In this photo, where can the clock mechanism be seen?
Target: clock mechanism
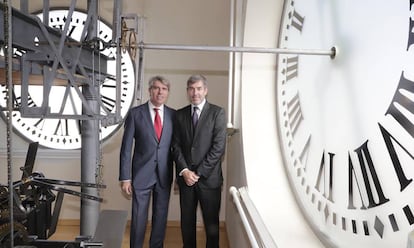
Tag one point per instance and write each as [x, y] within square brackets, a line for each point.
[49, 108]
[71, 85]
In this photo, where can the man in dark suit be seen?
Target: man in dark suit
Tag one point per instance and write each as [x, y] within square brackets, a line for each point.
[199, 142]
[148, 128]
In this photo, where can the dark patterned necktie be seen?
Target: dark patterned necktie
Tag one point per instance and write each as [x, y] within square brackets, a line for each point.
[195, 116]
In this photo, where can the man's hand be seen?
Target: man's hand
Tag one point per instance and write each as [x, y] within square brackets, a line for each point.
[190, 177]
[126, 187]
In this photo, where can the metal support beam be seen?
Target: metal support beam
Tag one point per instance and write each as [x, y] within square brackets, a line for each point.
[90, 153]
[25, 30]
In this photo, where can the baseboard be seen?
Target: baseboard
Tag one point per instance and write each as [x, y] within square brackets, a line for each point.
[68, 222]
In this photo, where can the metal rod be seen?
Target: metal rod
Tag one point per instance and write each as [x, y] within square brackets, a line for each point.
[256, 230]
[236, 199]
[231, 68]
[116, 36]
[9, 67]
[262, 233]
[331, 52]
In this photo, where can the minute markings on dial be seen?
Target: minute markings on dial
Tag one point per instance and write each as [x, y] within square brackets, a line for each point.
[368, 181]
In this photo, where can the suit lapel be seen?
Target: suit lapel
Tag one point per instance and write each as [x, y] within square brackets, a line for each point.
[187, 121]
[148, 121]
[166, 126]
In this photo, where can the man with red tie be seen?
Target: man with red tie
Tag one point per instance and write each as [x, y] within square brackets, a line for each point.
[148, 170]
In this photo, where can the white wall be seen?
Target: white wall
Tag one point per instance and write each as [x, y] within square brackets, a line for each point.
[266, 179]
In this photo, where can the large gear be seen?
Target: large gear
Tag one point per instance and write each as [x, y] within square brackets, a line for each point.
[3, 192]
[20, 235]
[17, 215]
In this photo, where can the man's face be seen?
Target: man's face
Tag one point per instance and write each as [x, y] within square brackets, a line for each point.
[158, 93]
[196, 92]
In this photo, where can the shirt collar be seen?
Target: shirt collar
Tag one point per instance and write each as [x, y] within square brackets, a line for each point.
[151, 106]
[200, 106]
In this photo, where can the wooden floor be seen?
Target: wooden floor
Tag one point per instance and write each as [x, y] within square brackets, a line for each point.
[69, 231]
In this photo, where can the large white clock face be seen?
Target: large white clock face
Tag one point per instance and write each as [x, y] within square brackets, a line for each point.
[66, 133]
[347, 124]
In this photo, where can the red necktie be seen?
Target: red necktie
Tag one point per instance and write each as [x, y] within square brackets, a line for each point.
[157, 124]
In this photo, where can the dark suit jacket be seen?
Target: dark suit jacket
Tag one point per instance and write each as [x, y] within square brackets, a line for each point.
[200, 150]
[148, 153]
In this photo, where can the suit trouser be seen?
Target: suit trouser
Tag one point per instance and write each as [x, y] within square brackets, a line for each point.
[210, 200]
[160, 201]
